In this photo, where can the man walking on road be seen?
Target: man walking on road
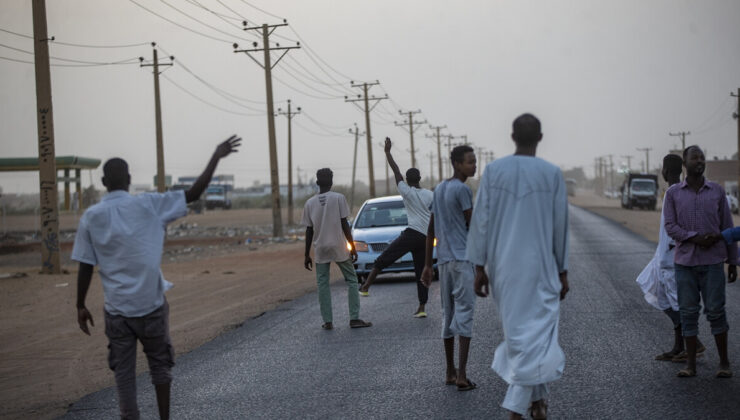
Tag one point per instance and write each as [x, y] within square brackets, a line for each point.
[696, 212]
[658, 280]
[325, 217]
[417, 201]
[519, 237]
[451, 210]
[123, 235]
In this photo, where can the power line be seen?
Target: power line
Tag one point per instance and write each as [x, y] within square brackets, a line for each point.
[333, 127]
[181, 25]
[318, 134]
[201, 22]
[330, 95]
[208, 103]
[16, 33]
[309, 49]
[70, 60]
[262, 10]
[303, 92]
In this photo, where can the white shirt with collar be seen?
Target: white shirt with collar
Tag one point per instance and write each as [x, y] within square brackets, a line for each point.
[124, 235]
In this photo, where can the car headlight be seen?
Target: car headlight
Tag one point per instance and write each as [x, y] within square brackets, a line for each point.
[359, 246]
[435, 241]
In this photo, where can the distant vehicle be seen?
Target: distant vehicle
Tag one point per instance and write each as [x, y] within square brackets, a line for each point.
[733, 203]
[378, 223]
[640, 190]
[218, 196]
[197, 205]
[570, 185]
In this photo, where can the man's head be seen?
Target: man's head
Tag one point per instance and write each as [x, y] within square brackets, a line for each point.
[413, 177]
[526, 130]
[463, 160]
[672, 167]
[693, 160]
[324, 178]
[115, 175]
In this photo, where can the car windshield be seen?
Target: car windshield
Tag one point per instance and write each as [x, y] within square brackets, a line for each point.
[643, 186]
[387, 213]
[214, 190]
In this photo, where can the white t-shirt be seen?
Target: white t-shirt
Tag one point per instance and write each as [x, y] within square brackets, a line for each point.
[418, 202]
[324, 212]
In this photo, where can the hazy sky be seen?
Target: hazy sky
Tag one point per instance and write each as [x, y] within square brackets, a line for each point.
[604, 77]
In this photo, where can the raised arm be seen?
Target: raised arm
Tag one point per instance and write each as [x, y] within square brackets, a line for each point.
[223, 150]
[391, 162]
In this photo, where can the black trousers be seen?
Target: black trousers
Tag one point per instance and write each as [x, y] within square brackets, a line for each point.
[415, 243]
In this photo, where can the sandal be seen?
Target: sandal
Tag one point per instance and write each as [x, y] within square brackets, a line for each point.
[327, 326]
[538, 410]
[686, 373]
[358, 323]
[724, 373]
[468, 387]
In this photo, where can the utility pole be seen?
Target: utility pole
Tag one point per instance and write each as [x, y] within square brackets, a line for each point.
[364, 98]
[439, 147]
[157, 113]
[647, 157]
[48, 191]
[479, 155]
[629, 162]
[267, 30]
[290, 114]
[410, 121]
[611, 173]
[354, 167]
[387, 175]
[683, 135]
[736, 115]
[430, 155]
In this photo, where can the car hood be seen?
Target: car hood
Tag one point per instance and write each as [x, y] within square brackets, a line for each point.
[377, 234]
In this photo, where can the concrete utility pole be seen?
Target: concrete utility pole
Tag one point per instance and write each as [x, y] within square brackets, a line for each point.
[611, 172]
[629, 162]
[736, 115]
[647, 157]
[364, 98]
[410, 121]
[387, 175]
[439, 147]
[157, 114]
[354, 168]
[290, 114]
[267, 30]
[683, 135]
[48, 189]
[430, 155]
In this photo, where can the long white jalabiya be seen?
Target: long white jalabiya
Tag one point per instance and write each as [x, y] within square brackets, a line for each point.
[658, 280]
[519, 231]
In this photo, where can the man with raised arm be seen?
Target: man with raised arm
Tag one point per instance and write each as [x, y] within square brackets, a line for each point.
[418, 202]
[325, 217]
[451, 209]
[519, 240]
[123, 235]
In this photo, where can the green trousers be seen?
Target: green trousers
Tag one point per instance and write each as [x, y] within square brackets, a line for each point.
[353, 296]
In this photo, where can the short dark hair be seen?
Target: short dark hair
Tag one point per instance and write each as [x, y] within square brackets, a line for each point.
[526, 129]
[458, 153]
[672, 164]
[324, 176]
[686, 150]
[115, 172]
[413, 176]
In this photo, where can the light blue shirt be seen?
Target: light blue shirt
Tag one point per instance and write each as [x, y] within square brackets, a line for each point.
[451, 198]
[123, 235]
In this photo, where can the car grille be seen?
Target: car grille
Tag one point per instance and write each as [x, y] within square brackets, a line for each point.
[379, 246]
[407, 265]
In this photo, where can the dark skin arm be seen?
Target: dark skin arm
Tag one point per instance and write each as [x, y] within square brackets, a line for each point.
[84, 276]
[428, 273]
[348, 234]
[222, 150]
[391, 161]
[309, 239]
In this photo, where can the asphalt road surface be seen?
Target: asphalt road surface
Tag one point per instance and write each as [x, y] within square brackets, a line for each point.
[283, 365]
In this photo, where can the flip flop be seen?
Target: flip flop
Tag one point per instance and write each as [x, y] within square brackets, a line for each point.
[669, 355]
[469, 387]
[686, 373]
[327, 326]
[724, 373]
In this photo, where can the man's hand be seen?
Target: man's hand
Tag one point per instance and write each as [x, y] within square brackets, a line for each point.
[426, 276]
[307, 262]
[353, 253]
[83, 315]
[731, 273]
[387, 144]
[227, 147]
[564, 285]
[482, 285]
[706, 240]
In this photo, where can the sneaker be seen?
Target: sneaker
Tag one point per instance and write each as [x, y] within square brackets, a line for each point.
[364, 294]
[420, 314]
[358, 323]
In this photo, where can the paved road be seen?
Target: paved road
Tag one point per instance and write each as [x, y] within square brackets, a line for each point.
[282, 365]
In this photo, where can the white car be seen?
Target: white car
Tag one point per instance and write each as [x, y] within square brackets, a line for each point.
[733, 203]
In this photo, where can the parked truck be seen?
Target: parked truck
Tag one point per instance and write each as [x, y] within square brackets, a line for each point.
[640, 190]
[218, 196]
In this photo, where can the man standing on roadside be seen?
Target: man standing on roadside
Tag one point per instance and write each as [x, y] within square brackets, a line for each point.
[413, 239]
[123, 235]
[658, 279]
[325, 217]
[696, 212]
[519, 237]
[451, 210]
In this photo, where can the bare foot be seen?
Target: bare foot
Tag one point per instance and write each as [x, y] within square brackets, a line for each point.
[451, 377]
[514, 416]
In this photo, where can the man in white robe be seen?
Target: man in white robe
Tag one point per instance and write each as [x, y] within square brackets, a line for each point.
[518, 238]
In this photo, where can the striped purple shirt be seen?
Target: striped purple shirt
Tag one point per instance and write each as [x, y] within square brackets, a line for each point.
[688, 213]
